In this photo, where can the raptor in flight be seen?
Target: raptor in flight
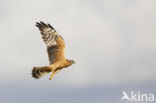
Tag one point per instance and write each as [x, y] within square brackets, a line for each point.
[55, 48]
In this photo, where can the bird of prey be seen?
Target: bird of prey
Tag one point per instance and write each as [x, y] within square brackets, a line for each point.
[55, 48]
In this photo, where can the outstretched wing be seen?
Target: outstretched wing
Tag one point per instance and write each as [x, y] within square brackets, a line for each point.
[55, 43]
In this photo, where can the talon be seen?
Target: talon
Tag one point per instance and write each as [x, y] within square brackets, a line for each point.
[50, 78]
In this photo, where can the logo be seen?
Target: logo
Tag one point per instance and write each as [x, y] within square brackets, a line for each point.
[137, 97]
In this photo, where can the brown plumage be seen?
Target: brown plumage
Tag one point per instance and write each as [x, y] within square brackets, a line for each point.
[55, 48]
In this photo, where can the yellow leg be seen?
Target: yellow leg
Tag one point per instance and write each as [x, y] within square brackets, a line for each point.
[51, 77]
[53, 69]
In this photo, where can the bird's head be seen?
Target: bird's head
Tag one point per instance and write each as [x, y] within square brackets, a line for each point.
[71, 61]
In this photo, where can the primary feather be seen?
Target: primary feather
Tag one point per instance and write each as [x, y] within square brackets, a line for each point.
[48, 33]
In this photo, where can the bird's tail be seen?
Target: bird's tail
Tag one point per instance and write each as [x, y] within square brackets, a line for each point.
[38, 72]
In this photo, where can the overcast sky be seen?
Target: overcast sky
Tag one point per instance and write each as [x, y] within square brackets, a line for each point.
[112, 41]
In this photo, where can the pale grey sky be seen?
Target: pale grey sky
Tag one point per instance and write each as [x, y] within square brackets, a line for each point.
[112, 41]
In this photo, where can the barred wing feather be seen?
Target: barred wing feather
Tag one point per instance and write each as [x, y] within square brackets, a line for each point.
[50, 37]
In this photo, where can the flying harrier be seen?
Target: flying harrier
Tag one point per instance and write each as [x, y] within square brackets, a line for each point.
[55, 48]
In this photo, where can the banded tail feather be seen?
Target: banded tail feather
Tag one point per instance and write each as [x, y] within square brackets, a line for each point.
[39, 72]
